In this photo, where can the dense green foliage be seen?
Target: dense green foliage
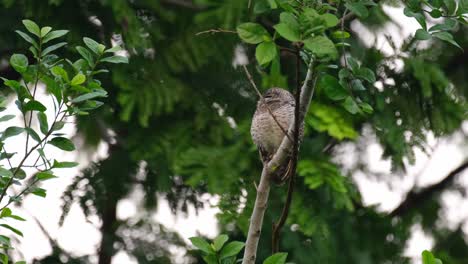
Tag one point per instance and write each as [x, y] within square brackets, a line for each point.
[73, 89]
[177, 119]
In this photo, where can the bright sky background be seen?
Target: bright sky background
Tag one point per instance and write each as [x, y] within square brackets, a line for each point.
[79, 237]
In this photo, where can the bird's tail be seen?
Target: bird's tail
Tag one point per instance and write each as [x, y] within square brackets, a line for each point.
[283, 173]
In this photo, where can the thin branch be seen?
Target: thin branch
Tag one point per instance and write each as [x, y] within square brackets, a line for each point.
[34, 94]
[8, 158]
[26, 155]
[218, 30]
[261, 97]
[414, 198]
[280, 156]
[347, 17]
[275, 239]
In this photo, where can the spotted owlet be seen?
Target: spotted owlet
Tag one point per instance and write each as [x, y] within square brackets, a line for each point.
[266, 133]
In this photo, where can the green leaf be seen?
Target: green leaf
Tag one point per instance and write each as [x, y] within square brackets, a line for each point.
[449, 24]
[39, 192]
[34, 52]
[20, 173]
[84, 97]
[20, 262]
[58, 71]
[265, 52]
[33, 134]
[330, 20]
[4, 240]
[32, 27]
[12, 131]
[336, 183]
[366, 74]
[14, 230]
[435, 13]
[53, 35]
[78, 79]
[115, 59]
[45, 31]
[273, 4]
[4, 258]
[91, 105]
[288, 32]
[86, 54]
[93, 45]
[231, 249]
[451, 6]
[341, 34]
[113, 49]
[43, 124]
[445, 36]
[219, 241]
[5, 173]
[6, 118]
[427, 257]
[16, 217]
[358, 8]
[64, 164]
[277, 258]
[314, 182]
[43, 176]
[422, 34]
[201, 244]
[19, 62]
[333, 88]
[62, 143]
[100, 71]
[366, 108]
[289, 19]
[20, 90]
[418, 16]
[357, 85]
[463, 6]
[321, 46]
[252, 33]
[353, 64]
[210, 259]
[5, 212]
[28, 38]
[350, 105]
[53, 47]
[34, 105]
[58, 125]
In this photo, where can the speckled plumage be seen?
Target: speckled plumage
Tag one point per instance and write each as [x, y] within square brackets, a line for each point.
[266, 133]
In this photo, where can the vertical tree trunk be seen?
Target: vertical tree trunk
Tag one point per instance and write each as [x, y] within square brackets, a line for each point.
[108, 228]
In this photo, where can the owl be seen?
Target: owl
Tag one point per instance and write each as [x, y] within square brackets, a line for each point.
[266, 133]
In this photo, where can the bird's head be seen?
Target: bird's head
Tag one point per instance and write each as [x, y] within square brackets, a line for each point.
[276, 97]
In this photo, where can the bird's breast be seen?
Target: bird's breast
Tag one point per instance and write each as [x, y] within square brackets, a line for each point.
[266, 132]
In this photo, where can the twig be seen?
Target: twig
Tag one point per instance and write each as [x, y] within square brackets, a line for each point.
[26, 155]
[275, 238]
[8, 158]
[346, 17]
[264, 187]
[261, 97]
[218, 30]
[33, 95]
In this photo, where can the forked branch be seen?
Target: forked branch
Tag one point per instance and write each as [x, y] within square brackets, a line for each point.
[263, 190]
